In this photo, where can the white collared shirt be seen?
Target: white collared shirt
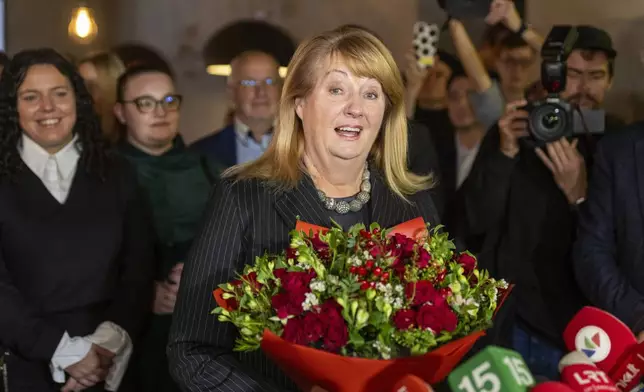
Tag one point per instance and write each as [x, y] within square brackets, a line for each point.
[464, 160]
[248, 149]
[63, 163]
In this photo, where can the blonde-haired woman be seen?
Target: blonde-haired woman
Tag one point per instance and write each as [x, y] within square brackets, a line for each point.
[100, 72]
[339, 152]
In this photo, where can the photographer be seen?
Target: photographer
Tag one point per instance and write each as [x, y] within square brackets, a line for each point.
[527, 198]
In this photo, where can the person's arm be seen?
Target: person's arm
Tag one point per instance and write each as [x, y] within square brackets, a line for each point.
[513, 21]
[200, 347]
[469, 56]
[133, 294]
[596, 250]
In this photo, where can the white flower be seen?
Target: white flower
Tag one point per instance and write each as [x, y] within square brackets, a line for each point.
[334, 280]
[317, 285]
[398, 303]
[310, 301]
[385, 351]
[355, 260]
[399, 288]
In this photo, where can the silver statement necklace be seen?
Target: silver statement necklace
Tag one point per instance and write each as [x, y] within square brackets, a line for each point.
[355, 205]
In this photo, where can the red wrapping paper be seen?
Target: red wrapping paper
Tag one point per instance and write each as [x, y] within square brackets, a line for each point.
[309, 367]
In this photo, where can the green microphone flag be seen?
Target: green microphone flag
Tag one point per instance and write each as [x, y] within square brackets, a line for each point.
[494, 369]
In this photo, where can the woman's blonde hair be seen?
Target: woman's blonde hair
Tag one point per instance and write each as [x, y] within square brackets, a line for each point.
[365, 56]
[109, 68]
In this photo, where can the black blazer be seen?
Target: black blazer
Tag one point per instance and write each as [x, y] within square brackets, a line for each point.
[244, 220]
[609, 253]
[69, 267]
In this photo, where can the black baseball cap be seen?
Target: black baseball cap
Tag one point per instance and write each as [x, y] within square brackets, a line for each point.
[593, 38]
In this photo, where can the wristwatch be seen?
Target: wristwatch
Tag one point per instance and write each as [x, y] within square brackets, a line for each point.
[522, 29]
[575, 206]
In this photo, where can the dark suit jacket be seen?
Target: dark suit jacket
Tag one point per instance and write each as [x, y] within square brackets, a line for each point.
[220, 146]
[609, 253]
[244, 220]
[69, 267]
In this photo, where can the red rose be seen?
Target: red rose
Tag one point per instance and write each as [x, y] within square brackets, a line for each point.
[437, 318]
[399, 267]
[336, 336]
[404, 319]
[403, 244]
[468, 262]
[422, 292]
[331, 311]
[288, 303]
[320, 247]
[280, 273]
[294, 332]
[291, 254]
[423, 258]
[297, 282]
[375, 251]
[313, 327]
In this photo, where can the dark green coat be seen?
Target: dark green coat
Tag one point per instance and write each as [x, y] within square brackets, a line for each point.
[177, 187]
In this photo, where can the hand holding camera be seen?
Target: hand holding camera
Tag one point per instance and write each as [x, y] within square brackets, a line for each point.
[567, 166]
[513, 125]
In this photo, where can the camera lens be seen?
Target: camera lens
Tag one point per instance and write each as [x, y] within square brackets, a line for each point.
[548, 122]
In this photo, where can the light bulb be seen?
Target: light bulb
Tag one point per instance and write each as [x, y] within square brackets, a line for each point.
[82, 25]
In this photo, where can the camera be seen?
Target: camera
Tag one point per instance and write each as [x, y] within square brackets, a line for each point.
[466, 8]
[552, 118]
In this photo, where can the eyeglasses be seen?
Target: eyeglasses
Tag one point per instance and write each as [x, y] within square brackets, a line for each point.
[268, 82]
[147, 104]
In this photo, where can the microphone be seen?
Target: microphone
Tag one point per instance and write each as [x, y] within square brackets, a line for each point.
[493, 369]
[552, 386]
[599, 335]
[582, 375]
[411, 383]
[628, 371]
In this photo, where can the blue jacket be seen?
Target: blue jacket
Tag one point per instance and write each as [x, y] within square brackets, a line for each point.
[609, 253]
[221, 147]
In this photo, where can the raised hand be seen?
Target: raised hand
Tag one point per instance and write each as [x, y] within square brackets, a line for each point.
[499, 10]
[512, 126]
[568, 168]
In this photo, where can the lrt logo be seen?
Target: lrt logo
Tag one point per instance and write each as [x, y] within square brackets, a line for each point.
[593, 342]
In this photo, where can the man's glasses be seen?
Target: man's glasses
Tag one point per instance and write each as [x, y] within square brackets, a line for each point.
[268, 82]
[147, 104]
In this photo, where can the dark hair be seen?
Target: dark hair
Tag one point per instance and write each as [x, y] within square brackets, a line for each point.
[589, 54]
[130, 73]
[512, 41]
[4, 59]
[94, 155]
[494, 34]
[134, 54]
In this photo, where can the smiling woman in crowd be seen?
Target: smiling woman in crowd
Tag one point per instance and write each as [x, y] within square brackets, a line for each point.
[75, 259]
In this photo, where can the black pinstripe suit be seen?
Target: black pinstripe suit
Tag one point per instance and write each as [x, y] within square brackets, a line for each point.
[244, 220]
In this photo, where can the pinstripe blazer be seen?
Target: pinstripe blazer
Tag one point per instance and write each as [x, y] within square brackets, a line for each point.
[244, 220]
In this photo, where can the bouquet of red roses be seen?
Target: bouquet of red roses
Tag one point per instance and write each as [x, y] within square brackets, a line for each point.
[377, 296]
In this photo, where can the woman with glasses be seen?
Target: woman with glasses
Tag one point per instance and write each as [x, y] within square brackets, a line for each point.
[176, 183]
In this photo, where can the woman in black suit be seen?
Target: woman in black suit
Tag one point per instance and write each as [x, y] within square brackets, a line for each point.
[339, 152]
[75, 259]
